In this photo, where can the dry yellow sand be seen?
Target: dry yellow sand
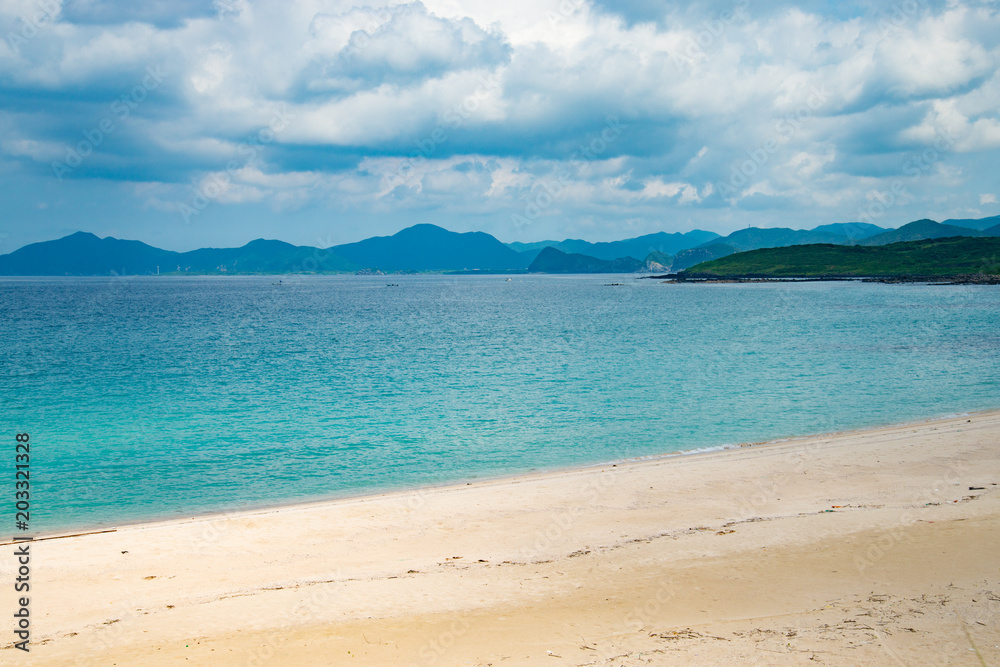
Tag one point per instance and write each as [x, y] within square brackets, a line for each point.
[877, 547]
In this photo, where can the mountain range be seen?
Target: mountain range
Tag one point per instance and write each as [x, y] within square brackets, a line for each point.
[978, 223]
[638, 248]
[553, 260]
[84, 254]
[427, 247]
[928, 229]
[432, 248]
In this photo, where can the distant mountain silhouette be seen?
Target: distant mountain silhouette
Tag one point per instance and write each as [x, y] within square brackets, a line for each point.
[533, 246]
[638, 248]
[551, 260]
[427, 247]
[83, 254]
[417, 248]
[264, 256]
[852, 230]
[754, 238]
[847, 233]
[431, 248]
[918, 230]
[981, 224]
[688, 258]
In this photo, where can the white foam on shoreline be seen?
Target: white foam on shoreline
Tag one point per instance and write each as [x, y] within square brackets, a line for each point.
[300, 505]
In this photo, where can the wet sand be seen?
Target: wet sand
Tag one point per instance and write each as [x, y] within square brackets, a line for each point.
[873, 547]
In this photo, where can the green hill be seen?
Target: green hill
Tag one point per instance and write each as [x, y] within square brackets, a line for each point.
[427, 247]
[550, 260]
[930, 257]
[919, 230]
[688, 258]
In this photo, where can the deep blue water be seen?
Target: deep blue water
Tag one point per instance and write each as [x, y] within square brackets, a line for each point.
[161, 397]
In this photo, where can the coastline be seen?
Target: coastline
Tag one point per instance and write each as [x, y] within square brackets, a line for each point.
[269, 586]
[268, 508]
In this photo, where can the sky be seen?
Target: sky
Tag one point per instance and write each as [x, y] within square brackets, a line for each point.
[193, 123]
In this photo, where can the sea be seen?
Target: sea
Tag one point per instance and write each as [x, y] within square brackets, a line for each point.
[149, 398]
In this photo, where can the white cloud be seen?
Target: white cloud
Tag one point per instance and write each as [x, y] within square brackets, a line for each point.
[40, 151]
[804, 165]
[987, 199]
[508, 176]
[937, 57]
[947, 128]
[688, 193]
[479, 103]
[215, 67]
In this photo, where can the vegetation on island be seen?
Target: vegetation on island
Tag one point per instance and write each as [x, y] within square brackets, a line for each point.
[930, 258]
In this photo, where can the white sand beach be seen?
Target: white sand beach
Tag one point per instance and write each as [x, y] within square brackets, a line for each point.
[874, 547]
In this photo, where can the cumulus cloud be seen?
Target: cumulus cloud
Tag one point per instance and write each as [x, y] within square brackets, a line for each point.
[403, 43]
[724, 111]
[688, 193]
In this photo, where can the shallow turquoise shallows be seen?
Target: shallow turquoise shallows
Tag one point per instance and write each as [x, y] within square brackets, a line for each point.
[150, 398]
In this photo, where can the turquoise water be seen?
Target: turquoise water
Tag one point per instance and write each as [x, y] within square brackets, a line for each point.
[162, 397]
